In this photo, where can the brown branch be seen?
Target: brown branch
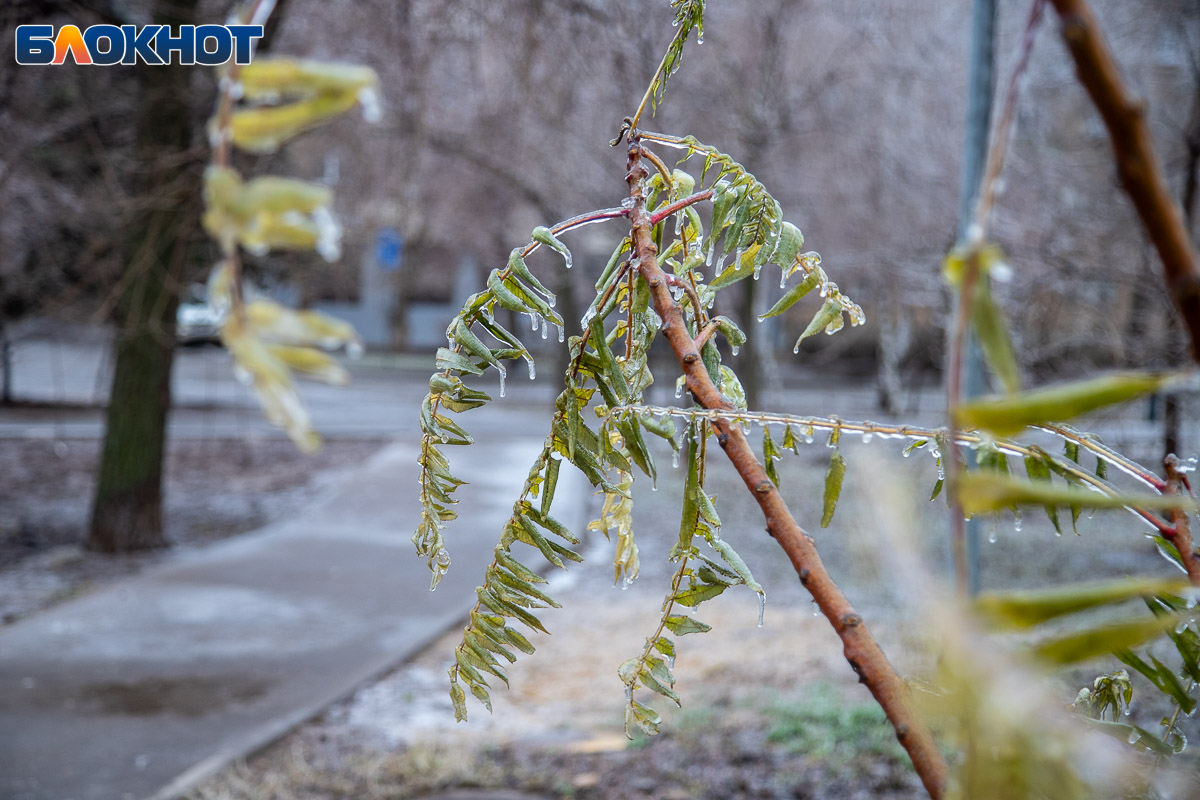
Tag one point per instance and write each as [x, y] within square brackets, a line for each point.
[860, 648]
[1181, 537]
[666, 211]
[1141, 174]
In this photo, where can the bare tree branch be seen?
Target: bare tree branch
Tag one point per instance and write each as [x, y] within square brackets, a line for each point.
[860, 648]
[1141, 174]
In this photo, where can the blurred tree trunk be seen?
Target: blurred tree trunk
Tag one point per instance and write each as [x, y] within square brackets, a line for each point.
[127, 512]
[1171, 415]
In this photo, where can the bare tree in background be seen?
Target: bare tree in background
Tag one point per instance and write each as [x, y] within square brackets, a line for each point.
[127, 512]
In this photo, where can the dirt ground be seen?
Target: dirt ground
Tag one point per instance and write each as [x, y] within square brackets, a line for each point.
[214, 490]
[771, 712]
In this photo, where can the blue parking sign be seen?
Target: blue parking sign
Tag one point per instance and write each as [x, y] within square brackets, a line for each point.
[389, 249]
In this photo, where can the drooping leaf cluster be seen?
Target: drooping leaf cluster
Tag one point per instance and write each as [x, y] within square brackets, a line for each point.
[609, 369]
[271, 344]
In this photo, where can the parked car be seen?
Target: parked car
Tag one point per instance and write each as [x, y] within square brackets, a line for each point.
[196, 322]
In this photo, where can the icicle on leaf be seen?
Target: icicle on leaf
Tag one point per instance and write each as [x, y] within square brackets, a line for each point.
[543, 235]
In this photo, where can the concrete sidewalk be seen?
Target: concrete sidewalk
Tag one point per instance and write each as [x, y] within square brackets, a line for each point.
[140, 689]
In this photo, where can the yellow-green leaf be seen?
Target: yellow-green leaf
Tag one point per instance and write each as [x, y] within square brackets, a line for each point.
[1102, 640]
[990, 326]
[983, 492]
[1024, 609]
[1008, 415]
[833, 486]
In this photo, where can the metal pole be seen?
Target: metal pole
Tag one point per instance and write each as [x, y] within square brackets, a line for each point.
[981, 82]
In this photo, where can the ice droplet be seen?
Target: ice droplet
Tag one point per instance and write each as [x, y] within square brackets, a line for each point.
[992, 533]
[675, 459]
[762, 607]
[562, 333]
[867, 436]
[503, 375]
[733, 348]
[533, 321]
[1017, 521]
[679, 386]
[546, 329]
[532, 370]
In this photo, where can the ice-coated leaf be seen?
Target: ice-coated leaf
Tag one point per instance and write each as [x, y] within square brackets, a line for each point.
[736, 563]
[697, 593]
[481, 694]
[1133, 735]
[729, 329]
[1026, 608]
[994, 338]
[833, 487]
[787, 247]
[681, 625]
[459, 698]
[1103, 639]
[793, 295]
[645, 718]
[1038, 470]
[543, 235]
[982, 492]
[448, 359]
[771, 455]
[826, 319]
[462, 335]
[651, 682]
[1010, 414]
[517, 266]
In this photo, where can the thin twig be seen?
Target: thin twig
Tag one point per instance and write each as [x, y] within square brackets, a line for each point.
[666, 211]
[1141, 174]
[860, 648]
[917, 433]
[1183, 532]
[986, 196]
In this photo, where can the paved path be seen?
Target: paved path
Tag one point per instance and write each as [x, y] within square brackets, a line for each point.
[140, 689]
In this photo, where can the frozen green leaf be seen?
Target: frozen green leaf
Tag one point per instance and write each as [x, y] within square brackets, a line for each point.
[543, 235]
[994, 338]
[828, 319]
[793, 295]
[459, 698]
[833, 487]
[681, 625]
